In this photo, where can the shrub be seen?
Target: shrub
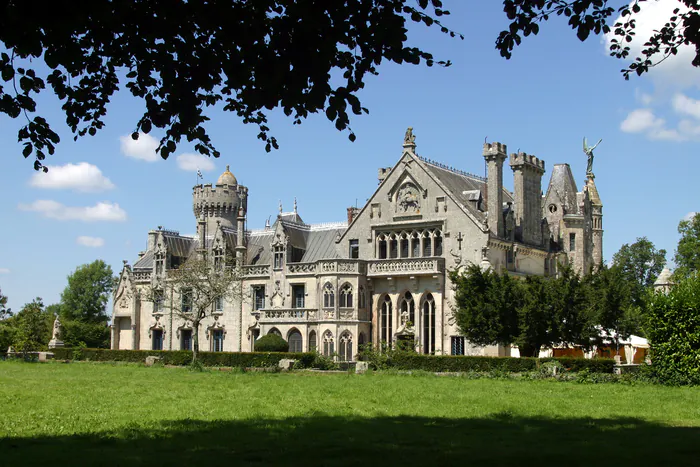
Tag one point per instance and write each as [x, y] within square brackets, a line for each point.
[271, 343]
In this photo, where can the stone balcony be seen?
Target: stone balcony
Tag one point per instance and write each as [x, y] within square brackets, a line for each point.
[290, 315]
[327, 266]
[405, 267]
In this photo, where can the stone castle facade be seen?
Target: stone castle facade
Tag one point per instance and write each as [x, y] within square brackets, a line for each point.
[380, 276]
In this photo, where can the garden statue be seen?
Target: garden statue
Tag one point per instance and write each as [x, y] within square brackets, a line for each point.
[56, 336]
[589, 152]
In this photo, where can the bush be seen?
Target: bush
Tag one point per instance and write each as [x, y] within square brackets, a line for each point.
[674, 333]
[184, 357]
[271, 343]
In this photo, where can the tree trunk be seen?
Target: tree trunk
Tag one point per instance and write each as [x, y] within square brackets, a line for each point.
[195, 340]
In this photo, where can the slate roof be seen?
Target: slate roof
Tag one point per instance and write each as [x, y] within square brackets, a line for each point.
[259, 247]
[321, 244]
[180, 246]
[562, 188]
[145, 262]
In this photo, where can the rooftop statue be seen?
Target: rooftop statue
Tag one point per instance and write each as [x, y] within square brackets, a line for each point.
[589, 153]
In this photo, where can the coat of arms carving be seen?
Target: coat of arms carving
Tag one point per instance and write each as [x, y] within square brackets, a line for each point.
[408, 198]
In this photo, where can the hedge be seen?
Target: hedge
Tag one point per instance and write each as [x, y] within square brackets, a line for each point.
[449, 363]
[184, 357]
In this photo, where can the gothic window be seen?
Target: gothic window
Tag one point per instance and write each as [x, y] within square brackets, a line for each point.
[157, 339]
[346, 296]
[403, 245]
[328, 296]
[415, 245]
[312, 341]
[393, 246]
[217, 340]
[294, 340]
[362, 298]
[298, 292]
[218, 259]
[186, 298]
[457, 345]
[278, 257]
[219, 304]
[408, 309]
[158, 301]
[258, 297]
[427, 244]
[160, 263]
[274, 331]
[345, 347]
[437, 239]
[328, 344]
[385, 317]
[572, 242]
[354, 252]
[428, 320]
[381, 247]
[185, 339]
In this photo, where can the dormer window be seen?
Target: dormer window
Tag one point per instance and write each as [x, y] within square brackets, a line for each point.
[160, 263]
[278, 257]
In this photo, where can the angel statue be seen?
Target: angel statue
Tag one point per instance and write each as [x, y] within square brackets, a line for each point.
[589, 153]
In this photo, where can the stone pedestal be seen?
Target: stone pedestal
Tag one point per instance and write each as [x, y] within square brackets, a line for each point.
[56, 344]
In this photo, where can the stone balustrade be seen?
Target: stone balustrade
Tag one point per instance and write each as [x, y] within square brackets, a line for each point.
[405, 267]
[341, 266]
[142, 275]
[256, 270]
[288, 314]
[301, 268]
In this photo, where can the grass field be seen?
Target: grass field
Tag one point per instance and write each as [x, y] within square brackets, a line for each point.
[99, 414]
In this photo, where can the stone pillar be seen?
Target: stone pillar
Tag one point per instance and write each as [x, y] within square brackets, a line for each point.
[527, 187]
[495, 155]
[134, 337]
[114, 328]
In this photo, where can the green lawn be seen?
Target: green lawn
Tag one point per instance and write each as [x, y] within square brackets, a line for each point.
[99, 414]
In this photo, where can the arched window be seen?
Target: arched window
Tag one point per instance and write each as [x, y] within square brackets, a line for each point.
[407, 309]
[295, 341]
[437, 241]
[275, 331]
[428, 319]
[346, 296]
[403, 245]
[346, 347]
[362, 299]
[427, 244]
[312, 341]
[385, 317]
[381, 246]
[393, 246]
[328, 344]
[328, 296]
[415, 245]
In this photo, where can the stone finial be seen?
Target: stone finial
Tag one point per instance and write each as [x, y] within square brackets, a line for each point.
[280, 206]
[295, 205]
[409, 139]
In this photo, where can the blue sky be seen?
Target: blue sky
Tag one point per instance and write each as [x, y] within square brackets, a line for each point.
[101, 202]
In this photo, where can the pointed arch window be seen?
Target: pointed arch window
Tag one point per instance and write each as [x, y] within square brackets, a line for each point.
[427, 244]
[437, 242]
[328, 344]
[312, 341]
[393, 246]
[385, 317]
[428, 320]
[346, 296]
[408, 309]
[328, 296]
[381, 247]
[361, 297]
[415, 245]
[403, 245]
[295, 341]
[345, 347]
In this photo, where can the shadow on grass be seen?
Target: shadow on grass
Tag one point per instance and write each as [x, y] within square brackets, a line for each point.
[334, 440]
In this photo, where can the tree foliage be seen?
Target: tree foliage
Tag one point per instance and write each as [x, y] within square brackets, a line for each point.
[4, 311]
[687, 257]
[597, 16]
[88, 291]
[640, 263]
[32, 327]
[674, 332]
[181, 57]
[191, 291]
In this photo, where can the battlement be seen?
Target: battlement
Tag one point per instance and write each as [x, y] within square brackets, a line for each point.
[495, 149]
[522, 159]
[218, 191]
[382, 173]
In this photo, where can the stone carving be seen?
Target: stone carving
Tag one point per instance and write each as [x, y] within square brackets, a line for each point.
[408, 198]
[260, 270]
[428, 266]
[301, 268]
[409, 138]
[589, 152]
[56, 341]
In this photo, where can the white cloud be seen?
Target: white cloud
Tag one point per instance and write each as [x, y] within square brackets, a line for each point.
[78, 177]
[192, 162]
[685, 105]
[102, 211]
[640, 120]
[4, 271]
[675, 71]
[92, 242]
[689, 216]
[143, 148]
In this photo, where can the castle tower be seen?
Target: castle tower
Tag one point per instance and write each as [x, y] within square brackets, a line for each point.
[597, 220]
[527, 184]
[219, 204]
[495, 154]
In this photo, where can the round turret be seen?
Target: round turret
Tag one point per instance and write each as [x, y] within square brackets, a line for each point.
[219, 204]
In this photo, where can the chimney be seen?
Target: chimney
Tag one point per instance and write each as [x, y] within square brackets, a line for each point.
[495, 155]
[383, 172]
[527, 187]
[352, 214]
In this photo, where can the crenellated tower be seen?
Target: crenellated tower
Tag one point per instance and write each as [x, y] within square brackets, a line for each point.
[527, 184]
[495, 155]
[222, 204]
